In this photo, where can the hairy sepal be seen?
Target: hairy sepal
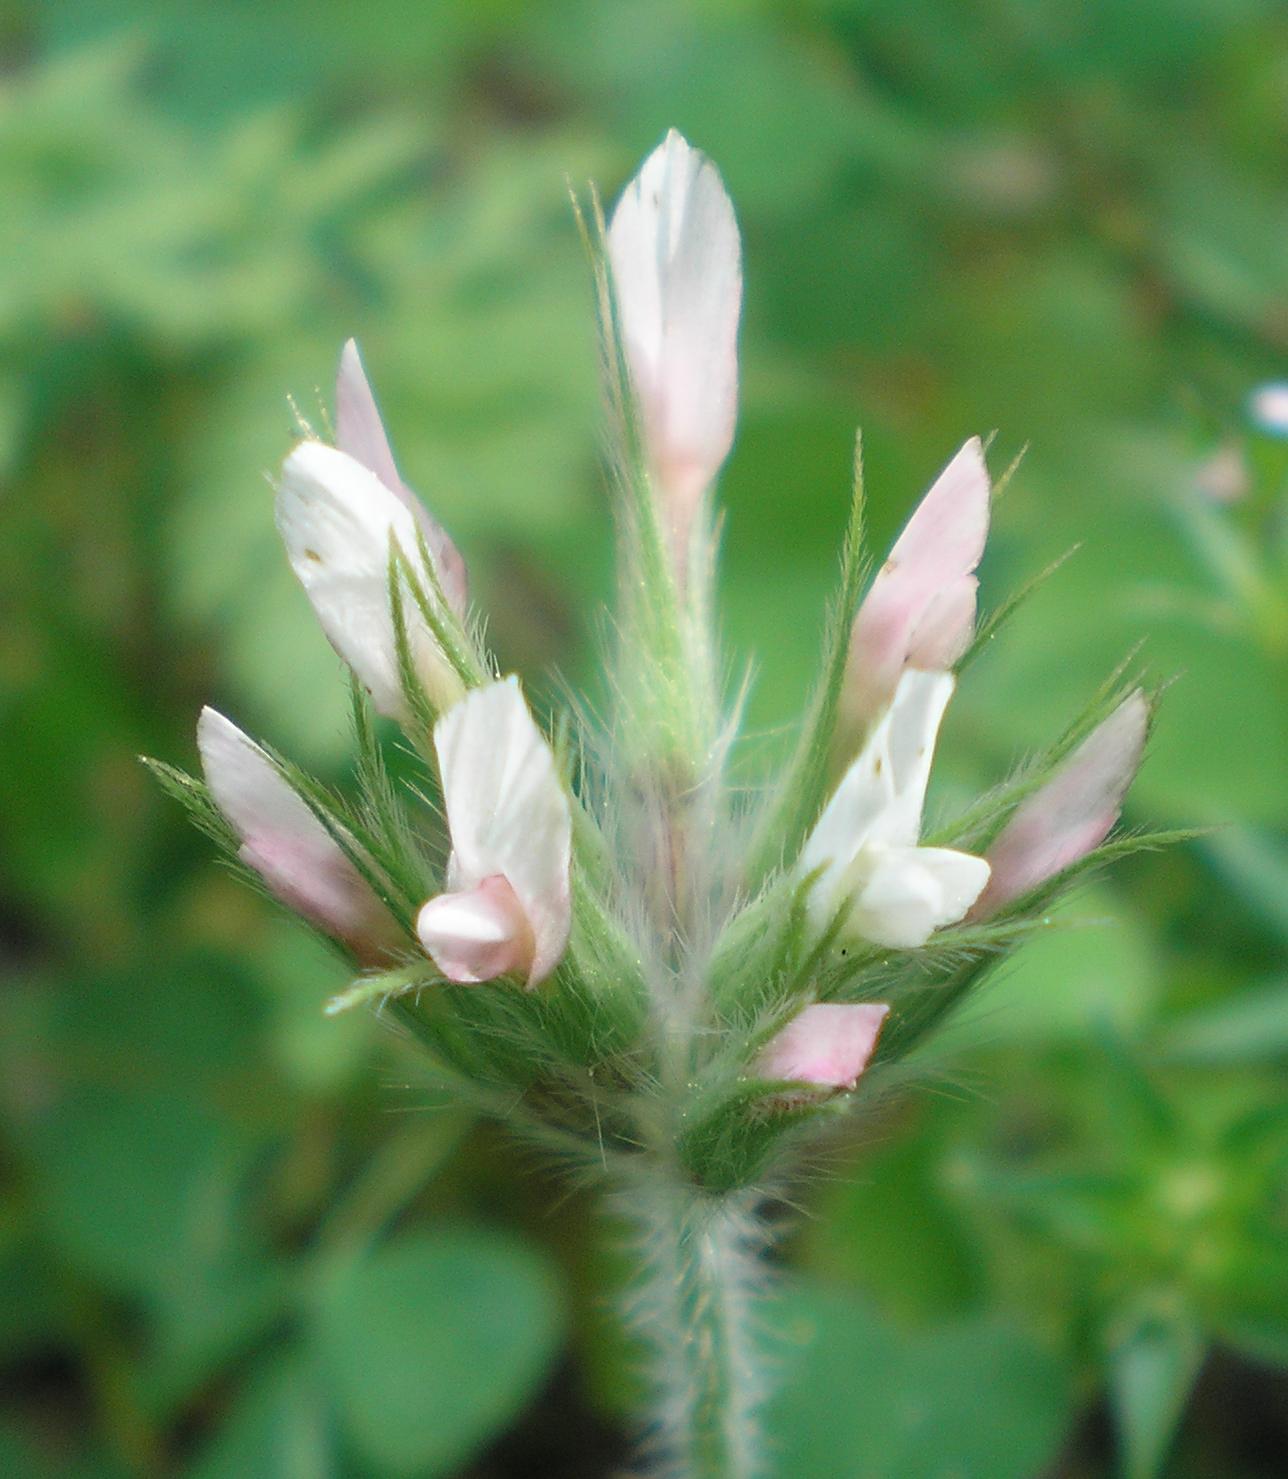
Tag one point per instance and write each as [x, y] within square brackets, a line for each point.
[798, 797]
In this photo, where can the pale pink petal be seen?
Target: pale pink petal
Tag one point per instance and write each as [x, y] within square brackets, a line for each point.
[508, 812]
[1073, 813]
[946, 627]
[829, 1045]
[361, 433]
[920, 609]
[677, 273]
[337, 520]
[479, 934]
[285, 843]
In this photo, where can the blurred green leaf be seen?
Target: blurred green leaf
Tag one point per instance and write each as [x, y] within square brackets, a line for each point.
[976, 1399]
[1153, 1360]
[1098, 967]
[277, 1427]
[1251, 1026]
[434, 1343]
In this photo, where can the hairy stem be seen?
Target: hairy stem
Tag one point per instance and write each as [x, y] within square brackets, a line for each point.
[693, 1303]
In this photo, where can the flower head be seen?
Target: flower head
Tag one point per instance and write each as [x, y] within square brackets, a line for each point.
[507, 908]
[920, 610]
[826, 1044]
[677, 274]
[1073, 813]
[864, 845]
[286, 844]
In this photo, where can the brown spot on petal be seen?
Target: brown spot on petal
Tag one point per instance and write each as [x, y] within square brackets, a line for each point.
[312, 554]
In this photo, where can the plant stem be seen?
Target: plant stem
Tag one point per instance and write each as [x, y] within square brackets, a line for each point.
[693, 1303]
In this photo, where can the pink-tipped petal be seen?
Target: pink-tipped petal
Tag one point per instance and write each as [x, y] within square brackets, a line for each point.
[946, 627]
[920, 610]
[337, 520]
[1073, 813]
[361, 433]
[507, 812]
[676, 263]
[826, 1044]
[282, 840]
[478, 934]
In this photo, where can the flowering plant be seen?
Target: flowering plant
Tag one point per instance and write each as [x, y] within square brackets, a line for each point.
[589, 927]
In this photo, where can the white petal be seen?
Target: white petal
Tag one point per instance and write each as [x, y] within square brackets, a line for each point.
[507, 811]
[907, 893]
[880, 797]
[825, 1044]
[1074, 812]
[337, 520]
[677, 270]
[479, 934]
[911, 728]
[285, 843]
[361, 433]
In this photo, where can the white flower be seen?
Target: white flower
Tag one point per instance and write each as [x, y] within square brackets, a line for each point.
[361, 433]
[677, 273]
[920, 610]
[338, 521]
[282, 840]
[894, 893]
[507, 909]
[826, 1044]
[1268, 408]
[1073, 813]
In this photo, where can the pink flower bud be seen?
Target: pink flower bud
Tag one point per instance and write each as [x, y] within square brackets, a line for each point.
[338, 522]
[361, 433]
[1073, 813]
[827, 1044]
[507, 908]
[290, 849]
[920, 610]
[677, 274]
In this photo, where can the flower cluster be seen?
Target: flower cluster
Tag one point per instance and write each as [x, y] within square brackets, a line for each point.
[603, 923]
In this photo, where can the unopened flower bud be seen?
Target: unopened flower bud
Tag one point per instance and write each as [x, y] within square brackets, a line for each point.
[677, 275]
[507, 907]
[920, 609]
[339, 521]
[893, 892]
[285, 843]
[826, 1044]
[1072, 813]
[361, 433]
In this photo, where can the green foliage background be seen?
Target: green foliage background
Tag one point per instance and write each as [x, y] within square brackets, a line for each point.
[239, 1239]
